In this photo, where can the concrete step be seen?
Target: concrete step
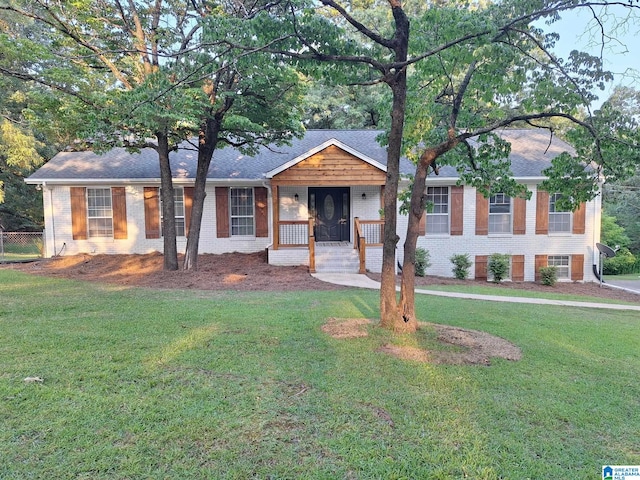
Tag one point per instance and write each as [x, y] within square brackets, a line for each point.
[337, 259]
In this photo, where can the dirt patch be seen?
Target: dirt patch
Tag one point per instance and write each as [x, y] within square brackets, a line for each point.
[346, 327]
[475, 348]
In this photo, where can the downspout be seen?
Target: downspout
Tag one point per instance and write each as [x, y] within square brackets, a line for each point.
[53, 220]
[267, 185]
[597, 221]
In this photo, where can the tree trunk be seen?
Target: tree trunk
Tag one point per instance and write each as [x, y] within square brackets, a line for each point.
[390, 315]
[168, 205]
[416, 210]
[206, 146]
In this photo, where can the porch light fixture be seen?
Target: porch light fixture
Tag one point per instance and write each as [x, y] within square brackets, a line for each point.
[364, 196]
[296, 197]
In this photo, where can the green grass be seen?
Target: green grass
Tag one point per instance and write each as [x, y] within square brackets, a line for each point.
[475, 289]
[628, 276]
[180, 384]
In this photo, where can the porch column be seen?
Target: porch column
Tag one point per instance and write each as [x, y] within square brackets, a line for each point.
[275, 208]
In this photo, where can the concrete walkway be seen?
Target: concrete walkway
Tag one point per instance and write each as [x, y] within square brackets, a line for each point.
[362, 281]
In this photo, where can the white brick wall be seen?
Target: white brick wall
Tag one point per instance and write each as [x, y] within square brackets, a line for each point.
[441, 247]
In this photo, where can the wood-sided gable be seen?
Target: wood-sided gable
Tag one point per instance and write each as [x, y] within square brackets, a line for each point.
[331, 166]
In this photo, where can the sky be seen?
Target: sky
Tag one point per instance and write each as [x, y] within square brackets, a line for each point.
[621, 56]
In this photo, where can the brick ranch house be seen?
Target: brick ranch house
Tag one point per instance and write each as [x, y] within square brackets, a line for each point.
[315, 203]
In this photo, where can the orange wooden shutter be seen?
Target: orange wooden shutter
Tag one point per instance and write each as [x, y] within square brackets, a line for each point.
[482, 214]
[578, 219]
[262, 211]
[542, 212]
[577, 267]
[519, 216]
[517, 268]
[222, 212]
[78, 213]
[188, 204]
[457, 209]
[151, 212]
[481, 267]
[541, 261]
[422, 226]
[119, 206]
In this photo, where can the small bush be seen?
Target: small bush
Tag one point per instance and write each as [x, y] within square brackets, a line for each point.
[422, 262]
[499, 266]
[623, 262]
[461, 265]
[549, 275]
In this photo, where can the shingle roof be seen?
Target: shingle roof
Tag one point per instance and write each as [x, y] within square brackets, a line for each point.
[531, 153]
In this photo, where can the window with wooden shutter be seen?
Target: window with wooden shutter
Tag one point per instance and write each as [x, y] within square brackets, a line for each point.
[457, 209]
[119, 205]
[261, 212]
[577, 268]
[542, 212]
[222, 212]
[482, 214]
[519, 216]
[481, 267]
[151, 212]
[436, 220]
[517, 268]
[579, 219]
[78, 213]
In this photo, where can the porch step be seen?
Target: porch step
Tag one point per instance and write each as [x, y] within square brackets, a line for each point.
[337, 258]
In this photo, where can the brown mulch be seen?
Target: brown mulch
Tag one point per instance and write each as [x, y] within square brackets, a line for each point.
[246, 271]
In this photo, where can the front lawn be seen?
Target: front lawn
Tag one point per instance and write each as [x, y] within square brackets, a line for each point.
[200, 385]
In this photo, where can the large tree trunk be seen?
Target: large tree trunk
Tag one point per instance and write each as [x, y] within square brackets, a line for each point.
[416, 210]
[168, 205]
[207, 144]
[390, 315]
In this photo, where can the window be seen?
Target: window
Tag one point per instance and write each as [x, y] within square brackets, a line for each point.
[499, 213]
[559, 219]
[241, 204]
[438, 211]
[99, 212]
[178, 202]
[561, 262]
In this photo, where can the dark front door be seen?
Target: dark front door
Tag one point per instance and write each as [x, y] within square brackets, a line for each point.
[330, 206]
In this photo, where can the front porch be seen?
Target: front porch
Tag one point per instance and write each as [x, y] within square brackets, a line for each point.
[326, 205]
[296, 245]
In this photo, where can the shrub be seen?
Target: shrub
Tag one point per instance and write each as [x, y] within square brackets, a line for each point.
[549, 275]
[422, 262]
[499, 266]
[461, 265]
[623, 262]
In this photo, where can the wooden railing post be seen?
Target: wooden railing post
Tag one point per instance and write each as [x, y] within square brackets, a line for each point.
[275, 208]
[312, 248]
[363, 260]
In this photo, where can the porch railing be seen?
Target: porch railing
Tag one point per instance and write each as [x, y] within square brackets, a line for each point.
[366, 232]
[300, 233]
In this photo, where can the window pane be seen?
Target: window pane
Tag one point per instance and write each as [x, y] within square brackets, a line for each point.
[561, 262]
[499, 213]
[438, 213]
[99, 212]
[178, 205]
[559, 219]
[241, 204]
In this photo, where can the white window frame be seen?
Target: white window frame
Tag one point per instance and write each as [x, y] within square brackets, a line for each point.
[178, 202]
[562, 264]
[559, 220]
[242, 215]
[99, 212]
[504, 219]
[438, 217]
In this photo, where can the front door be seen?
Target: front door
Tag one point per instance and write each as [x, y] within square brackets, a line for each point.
[330, 206]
